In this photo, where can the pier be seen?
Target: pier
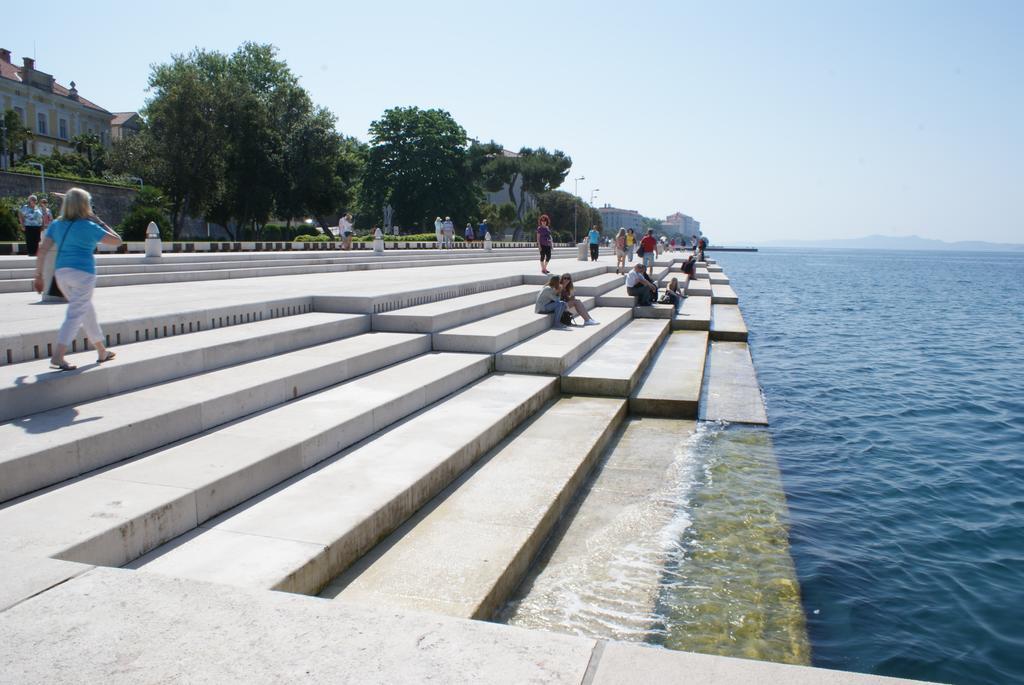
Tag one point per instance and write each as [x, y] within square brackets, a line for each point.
[355, 467]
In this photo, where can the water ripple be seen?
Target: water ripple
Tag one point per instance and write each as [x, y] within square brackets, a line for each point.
[896, 396]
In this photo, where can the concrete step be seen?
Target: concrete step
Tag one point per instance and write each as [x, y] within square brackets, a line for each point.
[694, 314]
[699, 288]
[672, 385]
[702, 274]
[731, 390]
[718, 279]
[302, 534]
[49, 447]
[655, 311]
[555, 350]
[619, 518]
[496, 333]
[35, 340]
[727, 323]
[32, 387]
[723, 294]
[438, 316]
[580, 271]
[115, 516]
[614, 368]
[616, 298]
[713, 268]
[491, 522]
[598, 285]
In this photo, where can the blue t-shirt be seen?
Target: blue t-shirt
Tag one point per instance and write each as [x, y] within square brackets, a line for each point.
[595, 236]
[77, 250]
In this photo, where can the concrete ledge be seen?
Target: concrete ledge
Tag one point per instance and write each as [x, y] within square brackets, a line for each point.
[727, 323]
[731, 390]
[693, 315]
[671, 388]
[723, 294]
[613, 369]
[443, 314]
[554, 351]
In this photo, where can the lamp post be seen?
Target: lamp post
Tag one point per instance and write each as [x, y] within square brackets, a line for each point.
[3, 144]
[42, 175]
[576, 194]
[138, 180]
[594, 192]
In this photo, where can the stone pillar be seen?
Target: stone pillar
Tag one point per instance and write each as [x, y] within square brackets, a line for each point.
[378, 242]
[487, 242]
[154, 248]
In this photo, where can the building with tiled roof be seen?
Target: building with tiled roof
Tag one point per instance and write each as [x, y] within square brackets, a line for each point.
[54, 113]
[124, 124]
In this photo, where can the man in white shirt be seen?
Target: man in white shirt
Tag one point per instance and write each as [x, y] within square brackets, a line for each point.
[639, 287]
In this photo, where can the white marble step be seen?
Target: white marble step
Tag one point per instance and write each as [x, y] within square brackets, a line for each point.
[731, 390]
[598, 285]
[302, 534]
[491, 522]
[117, 515]
[723, 294]
[694, 314]
[31, 387]
[727, 323]
[699, 288]
[496, 333]
[555, 350]
[614, 368]
[438, 316]
[672, 385]
[51, 446]
[718, 279]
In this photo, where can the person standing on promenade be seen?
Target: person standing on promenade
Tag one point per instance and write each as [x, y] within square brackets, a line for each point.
[595, 242]
[549, 301]
[439, 230]
[31, 219]
[345, 231]
[620, 251]
[470, 237]
[76, 232]
[482, 229]
[448, 237]
[630, 244]
[650, 247]
[640, 287]
[44, 207]
[544, 241]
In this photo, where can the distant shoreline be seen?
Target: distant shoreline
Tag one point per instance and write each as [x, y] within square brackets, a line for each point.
[878, 242]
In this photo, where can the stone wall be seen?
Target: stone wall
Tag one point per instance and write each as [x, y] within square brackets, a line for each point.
[109, 202]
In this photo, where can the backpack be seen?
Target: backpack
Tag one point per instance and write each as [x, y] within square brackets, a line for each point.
[566, 319]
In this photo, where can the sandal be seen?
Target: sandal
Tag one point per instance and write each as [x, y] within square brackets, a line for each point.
[110, 355]
[63, 366]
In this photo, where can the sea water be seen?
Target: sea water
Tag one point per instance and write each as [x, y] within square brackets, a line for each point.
[878, 525]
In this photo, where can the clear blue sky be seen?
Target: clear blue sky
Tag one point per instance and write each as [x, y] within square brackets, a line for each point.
[765, 120]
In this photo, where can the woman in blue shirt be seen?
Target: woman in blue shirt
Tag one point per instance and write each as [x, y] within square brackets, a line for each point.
[76, 232]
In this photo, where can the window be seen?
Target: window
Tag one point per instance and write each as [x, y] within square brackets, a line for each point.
[41, 117]
[64, 129]
[21, 114]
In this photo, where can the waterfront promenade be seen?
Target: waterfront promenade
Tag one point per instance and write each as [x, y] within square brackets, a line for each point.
[399, 437]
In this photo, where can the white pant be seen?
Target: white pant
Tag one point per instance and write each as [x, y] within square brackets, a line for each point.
[77, 287]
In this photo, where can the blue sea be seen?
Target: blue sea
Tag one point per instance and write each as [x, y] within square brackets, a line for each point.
[895, 388]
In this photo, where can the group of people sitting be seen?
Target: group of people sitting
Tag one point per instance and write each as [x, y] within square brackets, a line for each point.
[558, 297]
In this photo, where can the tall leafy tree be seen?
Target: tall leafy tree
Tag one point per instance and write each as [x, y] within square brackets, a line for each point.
[17, 135]
[527, 172]
[184, 132]
[418, 163]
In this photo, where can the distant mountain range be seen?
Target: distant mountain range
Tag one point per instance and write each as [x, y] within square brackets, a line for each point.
[887, 242]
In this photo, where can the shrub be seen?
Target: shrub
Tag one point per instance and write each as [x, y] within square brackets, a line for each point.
[318, 238]
[9, 227]
[136, 221]
[414, 238]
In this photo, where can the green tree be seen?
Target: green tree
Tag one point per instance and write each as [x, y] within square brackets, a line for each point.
[17, 135]
[184, 132]
[149, 205]
[418, 163]
[560, 206]
[88, 145]
[527, 172]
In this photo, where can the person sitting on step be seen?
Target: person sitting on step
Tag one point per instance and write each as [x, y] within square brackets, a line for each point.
[550, 302]
[572, 303]
[673, 295]
[640, 287]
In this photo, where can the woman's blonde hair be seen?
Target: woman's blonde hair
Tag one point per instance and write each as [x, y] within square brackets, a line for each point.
[77, 205]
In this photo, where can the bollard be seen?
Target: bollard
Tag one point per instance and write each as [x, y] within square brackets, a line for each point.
[583, 252]
[154, 248]
[378, 242]
[487, 242]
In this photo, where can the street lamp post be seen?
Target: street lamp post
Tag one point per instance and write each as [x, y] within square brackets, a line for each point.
[42, 176]
[142, 186]
[575, 207]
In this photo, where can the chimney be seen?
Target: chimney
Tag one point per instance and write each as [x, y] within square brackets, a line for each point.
[30, 63]
[73, 93]
[5, 55]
